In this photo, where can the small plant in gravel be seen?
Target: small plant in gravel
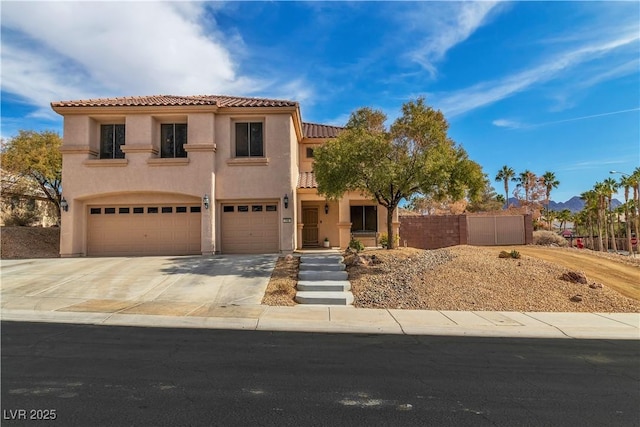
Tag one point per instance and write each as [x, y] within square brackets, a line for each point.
[513, 254]
[356, 245]
[384, 240]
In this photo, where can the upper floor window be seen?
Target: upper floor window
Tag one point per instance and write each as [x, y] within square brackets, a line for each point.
[249, 139]
[111, 141]
[174, 137]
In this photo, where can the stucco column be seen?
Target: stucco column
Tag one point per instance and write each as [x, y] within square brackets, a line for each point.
[344, 223]
[71, 226]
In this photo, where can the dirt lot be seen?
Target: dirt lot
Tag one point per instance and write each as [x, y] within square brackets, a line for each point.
[621, 273]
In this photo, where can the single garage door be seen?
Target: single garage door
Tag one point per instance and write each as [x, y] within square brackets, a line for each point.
[250, 228]
[143, 230]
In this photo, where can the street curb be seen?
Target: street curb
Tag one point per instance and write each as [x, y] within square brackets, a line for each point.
[326, 319]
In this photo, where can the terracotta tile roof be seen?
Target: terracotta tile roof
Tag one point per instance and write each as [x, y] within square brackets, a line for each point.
[307, 180]
[313, 130]
[172, 100]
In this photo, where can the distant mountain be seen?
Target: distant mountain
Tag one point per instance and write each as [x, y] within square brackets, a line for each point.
[574, 204]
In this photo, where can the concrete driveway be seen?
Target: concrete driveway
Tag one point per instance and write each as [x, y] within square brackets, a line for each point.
[173, 285]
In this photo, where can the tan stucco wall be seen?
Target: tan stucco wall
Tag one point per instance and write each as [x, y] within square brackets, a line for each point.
[87, 180]
[210, 168]
[306, 164]
[336, 225]
[268, 179]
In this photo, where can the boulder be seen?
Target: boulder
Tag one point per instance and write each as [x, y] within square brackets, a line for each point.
[574, 277]
[576, 298]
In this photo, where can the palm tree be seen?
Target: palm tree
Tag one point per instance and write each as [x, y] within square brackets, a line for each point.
[526, 180]
[635, 181]
[505, 175]
[591, 213]
[550, 182]
[563, 216]
[626, 181]
[611, 186]
[600, 191]
[551, 216]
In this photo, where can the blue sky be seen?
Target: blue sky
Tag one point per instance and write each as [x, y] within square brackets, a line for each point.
[544, 86]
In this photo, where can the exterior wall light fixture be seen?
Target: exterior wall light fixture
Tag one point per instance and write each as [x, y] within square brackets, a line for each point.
[205, 201]
[326, 208]
[285, 199]
[64, 205]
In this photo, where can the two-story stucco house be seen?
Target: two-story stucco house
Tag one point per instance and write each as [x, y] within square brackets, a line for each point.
[178, 175]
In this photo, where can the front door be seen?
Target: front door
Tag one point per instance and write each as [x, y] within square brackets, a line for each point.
[310, 229]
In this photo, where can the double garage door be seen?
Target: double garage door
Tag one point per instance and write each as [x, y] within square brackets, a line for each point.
[159, 229]
[250, 228]
[174, 229]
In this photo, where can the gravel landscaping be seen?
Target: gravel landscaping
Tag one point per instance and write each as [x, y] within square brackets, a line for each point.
[29, 242]
[475, 278]
[462, 278]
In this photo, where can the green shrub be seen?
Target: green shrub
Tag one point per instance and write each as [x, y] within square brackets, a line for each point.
[548, 238]
[356, 245]
[384, 240]
[513, 254]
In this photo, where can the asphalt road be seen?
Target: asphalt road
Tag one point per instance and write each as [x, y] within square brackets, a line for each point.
[116, 376]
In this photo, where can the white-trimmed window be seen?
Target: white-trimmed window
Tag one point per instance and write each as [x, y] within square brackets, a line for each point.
[249, 139]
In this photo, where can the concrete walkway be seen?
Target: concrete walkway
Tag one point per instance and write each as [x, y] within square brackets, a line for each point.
[335, 319]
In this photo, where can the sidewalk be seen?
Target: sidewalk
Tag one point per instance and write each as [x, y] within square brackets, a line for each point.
[330, 319]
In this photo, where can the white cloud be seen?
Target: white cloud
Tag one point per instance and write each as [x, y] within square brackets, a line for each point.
[592, 164]
[65, 50]
[625, 69]
[510, 124]
[489, 92]
[448, 25]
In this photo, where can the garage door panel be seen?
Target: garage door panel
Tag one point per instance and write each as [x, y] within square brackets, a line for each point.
[250, 227]
[125, 233]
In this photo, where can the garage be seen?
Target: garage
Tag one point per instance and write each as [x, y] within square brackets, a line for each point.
[250, 228]
[132, 230]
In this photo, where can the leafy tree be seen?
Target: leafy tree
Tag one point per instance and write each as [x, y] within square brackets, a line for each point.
[36, 155]
[488, 200]
[414, 156]
[505, 175]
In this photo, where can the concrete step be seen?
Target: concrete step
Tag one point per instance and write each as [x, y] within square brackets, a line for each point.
[321, 259]
[324, 298]
[324, 285]
[321, 267]
[322, 275]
